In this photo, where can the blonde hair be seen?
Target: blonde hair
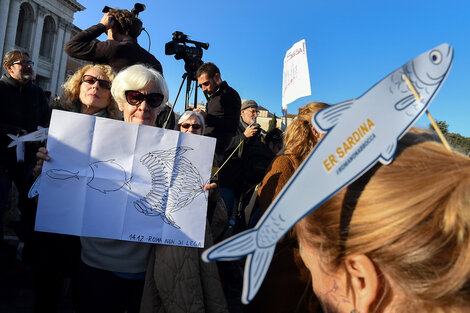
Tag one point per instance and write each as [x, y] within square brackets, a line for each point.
[71, 90]
[411, 218]
[299, 139]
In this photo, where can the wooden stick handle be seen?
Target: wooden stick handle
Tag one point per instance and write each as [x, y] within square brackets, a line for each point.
[433, 122]
[438, 131]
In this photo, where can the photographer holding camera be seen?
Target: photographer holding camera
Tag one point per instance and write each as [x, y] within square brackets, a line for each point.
[121, 49]
[246, 168]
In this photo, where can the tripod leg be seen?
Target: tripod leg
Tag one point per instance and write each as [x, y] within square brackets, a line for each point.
[185, 75]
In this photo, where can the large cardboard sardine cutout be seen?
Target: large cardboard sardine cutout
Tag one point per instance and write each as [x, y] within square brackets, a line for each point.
[359, 134]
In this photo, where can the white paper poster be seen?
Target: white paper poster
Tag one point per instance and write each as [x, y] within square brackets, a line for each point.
[295, 78]
[117, 180]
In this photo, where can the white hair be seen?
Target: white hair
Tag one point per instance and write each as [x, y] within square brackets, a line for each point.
[187, 114]
[135, 77]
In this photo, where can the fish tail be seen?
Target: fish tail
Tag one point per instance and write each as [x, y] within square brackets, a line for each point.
[14, 142]
[257, 262]
[168, 219]
[128, 183]
[34, 190]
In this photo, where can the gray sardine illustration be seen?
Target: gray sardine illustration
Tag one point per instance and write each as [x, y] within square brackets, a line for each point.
[360, 146]
[175, 183]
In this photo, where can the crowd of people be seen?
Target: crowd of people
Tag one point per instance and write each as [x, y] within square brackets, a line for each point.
[397, 239]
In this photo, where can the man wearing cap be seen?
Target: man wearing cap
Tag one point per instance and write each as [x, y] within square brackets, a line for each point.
[246, 168]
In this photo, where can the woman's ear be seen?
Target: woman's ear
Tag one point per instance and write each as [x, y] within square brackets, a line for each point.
[120, 106]
[364, 281]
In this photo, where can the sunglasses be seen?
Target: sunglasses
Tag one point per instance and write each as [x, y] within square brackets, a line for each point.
[92, 80]
[194, 126]
[135, 97]
[24, 63]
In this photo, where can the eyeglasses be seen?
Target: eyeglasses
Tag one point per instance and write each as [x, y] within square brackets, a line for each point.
[253, 111]
[92, 80]
[135, 97]
[194, 126]
[24, 63]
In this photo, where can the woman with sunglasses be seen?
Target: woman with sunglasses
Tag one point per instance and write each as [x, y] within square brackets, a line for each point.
[191, 122]
[177, 279]
[87, 91]
[112, 272]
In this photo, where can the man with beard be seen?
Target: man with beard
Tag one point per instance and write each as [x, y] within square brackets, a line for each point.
[223, 108]
[246, 167]
[24, 108]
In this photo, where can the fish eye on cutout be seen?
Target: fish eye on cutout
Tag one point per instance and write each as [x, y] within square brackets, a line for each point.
[435, 56]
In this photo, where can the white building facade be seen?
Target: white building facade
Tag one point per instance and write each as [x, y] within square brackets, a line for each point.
[41, 27]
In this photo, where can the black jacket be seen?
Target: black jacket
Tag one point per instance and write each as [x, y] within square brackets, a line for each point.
[223, 115]
[24, 108]
[118, 54]
[248, 165]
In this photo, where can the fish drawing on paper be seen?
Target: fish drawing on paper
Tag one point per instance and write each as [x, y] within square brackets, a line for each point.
[359, 134]
[103, 176]
[175, 183]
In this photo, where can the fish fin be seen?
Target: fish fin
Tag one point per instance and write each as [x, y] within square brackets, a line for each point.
[89, 185]
[34, 190]
[386, 156]
[329, 117]
[257, 262]
[404, 103]
[14, 142]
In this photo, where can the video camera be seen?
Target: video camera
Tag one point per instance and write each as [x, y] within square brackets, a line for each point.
[192, 56]
[138, 7]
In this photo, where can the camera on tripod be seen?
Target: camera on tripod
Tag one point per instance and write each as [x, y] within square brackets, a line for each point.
[192, 56]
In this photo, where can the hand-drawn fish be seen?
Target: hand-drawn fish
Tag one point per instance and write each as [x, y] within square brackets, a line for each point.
[349, 149]
[175, 183]
[62, 174]
[39, 135]
[105, 176]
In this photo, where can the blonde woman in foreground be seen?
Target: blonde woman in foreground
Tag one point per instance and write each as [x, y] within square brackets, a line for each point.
[396, 240]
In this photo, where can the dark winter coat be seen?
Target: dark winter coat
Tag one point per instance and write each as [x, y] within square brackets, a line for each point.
[118, 54]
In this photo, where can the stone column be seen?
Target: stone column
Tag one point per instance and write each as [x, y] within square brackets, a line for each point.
[58, 55]
[64, 58]
[4, 10]
[12, 24]
[38, 34]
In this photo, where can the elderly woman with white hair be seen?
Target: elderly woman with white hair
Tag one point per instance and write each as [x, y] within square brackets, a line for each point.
[177, 279]
[191, 122]
[112, 272]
